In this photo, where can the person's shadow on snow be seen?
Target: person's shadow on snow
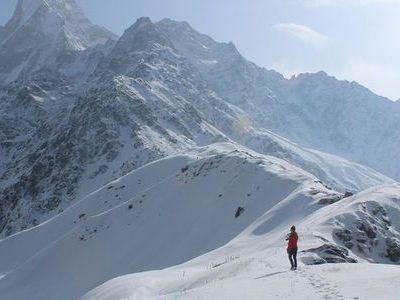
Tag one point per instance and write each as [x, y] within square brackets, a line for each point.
[271, 274]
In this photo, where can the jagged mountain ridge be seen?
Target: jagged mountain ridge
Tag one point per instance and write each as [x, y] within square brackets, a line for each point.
[143, 97]
[49, 33]
[113, 126]
[314, 110]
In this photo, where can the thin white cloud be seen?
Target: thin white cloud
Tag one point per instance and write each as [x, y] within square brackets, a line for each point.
[304, 34]
[326, 3]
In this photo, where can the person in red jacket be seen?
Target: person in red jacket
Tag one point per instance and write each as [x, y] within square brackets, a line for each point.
[292, 247]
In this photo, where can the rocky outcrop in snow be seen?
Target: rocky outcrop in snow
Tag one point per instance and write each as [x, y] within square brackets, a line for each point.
[366, 224]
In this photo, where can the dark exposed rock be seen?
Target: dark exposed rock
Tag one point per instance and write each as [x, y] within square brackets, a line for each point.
[314, 192]
[101, 170]
[347, 194]
[239, 211]
[367, 229]
[393, 249]
[348, 245]
[329, 200]
[329, 253]
[370, 235]
[386, 221]
[344, 235]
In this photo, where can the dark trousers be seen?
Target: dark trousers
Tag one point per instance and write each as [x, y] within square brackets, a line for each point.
[293, 257]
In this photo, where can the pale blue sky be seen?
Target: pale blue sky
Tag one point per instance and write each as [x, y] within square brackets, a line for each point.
[350, 39]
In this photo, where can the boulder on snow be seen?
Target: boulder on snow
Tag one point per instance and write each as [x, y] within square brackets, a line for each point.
[239, 211]
[393, 249]
[347, 194]
[327, 253]
[329, 200]
[345, 236]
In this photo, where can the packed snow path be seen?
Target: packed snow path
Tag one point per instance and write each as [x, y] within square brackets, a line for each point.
[263, 277]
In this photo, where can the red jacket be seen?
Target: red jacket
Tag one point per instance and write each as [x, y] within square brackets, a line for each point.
[292, 241]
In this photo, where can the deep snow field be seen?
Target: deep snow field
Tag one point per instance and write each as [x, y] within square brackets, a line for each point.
[209, 223]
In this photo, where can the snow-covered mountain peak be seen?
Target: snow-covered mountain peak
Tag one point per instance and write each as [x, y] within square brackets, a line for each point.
[142, 22]
[26, 9]
[142, 35]
[322, 79]
[167, 22]
[40, 32]
[316, 78]
[53, 18]
[169, 25]
[141, 48]
[198, 47]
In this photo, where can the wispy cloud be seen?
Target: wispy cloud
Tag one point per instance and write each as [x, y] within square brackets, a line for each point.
[304, 34]
[322, 3]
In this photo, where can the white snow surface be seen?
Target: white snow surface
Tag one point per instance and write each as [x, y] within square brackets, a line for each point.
[177, 215]
[339, 173]
[260, 275]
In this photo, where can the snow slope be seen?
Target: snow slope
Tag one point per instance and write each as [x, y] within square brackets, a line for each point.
[337, 172]
[254, 264]
[261, 276]
[161, 215]
[223, 208]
